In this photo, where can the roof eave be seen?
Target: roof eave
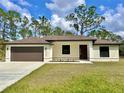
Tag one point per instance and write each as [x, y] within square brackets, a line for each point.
[72, 40]
[107, 44]
[27, 43]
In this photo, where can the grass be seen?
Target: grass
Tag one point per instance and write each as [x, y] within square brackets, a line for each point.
[73, 78]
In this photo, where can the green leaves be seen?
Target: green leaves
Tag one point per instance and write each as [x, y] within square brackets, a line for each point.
[85, 19]
[13, 14]
[76, 26]
[58, 31]
[2, 13]
[104, 34]
[14, 26]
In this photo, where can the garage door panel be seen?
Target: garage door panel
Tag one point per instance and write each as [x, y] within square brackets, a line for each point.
[27, 49]
[27, 54]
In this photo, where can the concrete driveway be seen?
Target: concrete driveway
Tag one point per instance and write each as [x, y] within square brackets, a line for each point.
[14, 71]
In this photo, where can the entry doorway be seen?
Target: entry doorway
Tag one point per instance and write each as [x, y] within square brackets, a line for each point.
[83, 52]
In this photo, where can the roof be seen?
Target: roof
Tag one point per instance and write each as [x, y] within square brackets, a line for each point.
[68, 38]
[106, 42]
[31, 40]
[47, 39]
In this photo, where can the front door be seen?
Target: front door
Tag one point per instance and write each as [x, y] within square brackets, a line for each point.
[83, 52]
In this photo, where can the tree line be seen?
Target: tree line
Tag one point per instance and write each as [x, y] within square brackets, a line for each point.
[13, 26]
[85, 21]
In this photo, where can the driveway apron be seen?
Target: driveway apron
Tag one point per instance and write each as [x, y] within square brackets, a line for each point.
[11, 72]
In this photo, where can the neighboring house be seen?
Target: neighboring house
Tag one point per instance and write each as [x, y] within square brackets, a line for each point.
[62, 48]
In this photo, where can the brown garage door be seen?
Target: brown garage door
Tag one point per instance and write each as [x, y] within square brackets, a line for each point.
[27, 53]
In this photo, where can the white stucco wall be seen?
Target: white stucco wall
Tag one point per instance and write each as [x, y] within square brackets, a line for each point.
[74, 49]
[93, 50]
[113, 53]
[55, 50]
[47, 51]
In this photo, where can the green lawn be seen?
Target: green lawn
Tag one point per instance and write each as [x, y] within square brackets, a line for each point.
[73, 78]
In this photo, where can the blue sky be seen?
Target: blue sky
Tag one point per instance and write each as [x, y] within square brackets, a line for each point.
[56, 10]
[38, 7]
[107, 3]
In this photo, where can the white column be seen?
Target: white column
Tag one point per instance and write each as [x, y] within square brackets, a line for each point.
[8, 53]
[90, 51]
[48, 53]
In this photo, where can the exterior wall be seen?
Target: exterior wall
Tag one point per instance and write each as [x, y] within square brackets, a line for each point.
[47, 51]
[55, 51]
[113, 53]
[74, 49]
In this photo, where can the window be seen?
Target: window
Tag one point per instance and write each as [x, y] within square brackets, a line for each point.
[104, 51]
[65, 49]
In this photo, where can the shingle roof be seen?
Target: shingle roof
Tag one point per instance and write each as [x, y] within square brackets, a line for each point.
[68, 38]
[47, 39]
[31, 40]
[106, 42]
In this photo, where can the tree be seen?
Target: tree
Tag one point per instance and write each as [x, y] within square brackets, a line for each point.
[24, 30]
[13, 19]
[104, 34]
[58, 31]
[3, 32]
[45, 26]
[121, 48]
[3, 24]
[9, 22]
[69, 33]
[85, 19]
[35, 26]
[2, 49]
[40, 27]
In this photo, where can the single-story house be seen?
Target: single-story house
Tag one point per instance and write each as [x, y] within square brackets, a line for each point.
[62, 48]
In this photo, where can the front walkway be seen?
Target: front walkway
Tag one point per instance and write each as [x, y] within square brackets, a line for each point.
[12, 72]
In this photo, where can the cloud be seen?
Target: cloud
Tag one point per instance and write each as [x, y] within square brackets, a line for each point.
[12, 6]
[102, 7]
[61, 22]
[120, 33]
[62, 7]
[115, 19]
[24, 3]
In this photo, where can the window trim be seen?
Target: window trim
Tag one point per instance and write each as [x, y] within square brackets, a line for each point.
[108, 52]
[68, 50]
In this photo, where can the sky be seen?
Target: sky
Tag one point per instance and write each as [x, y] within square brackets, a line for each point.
[56, 10]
